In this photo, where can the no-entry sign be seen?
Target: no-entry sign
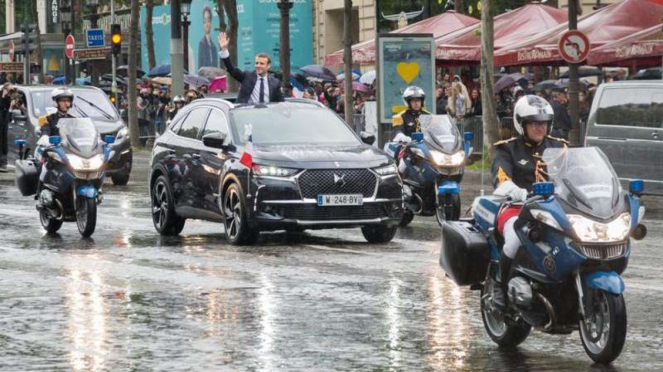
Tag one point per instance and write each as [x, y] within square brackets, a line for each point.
[69, 46]
[573, 46]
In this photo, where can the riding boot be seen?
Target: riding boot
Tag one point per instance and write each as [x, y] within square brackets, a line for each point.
[501, 289]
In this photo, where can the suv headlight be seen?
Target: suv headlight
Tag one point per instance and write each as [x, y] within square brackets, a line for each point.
[386, 171]
[81, 164]
[444, 159]
[592, 231]
[269, 171]
[122, 133]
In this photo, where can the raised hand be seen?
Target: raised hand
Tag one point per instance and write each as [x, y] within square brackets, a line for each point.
[223, 41]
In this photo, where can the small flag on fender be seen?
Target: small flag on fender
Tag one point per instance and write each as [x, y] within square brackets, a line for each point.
[246, 159]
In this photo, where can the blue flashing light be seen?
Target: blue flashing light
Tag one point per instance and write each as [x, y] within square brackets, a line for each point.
[54, 140]
[110, 139]
[20, 142]
[636, 186]
[468, 136]
[417, 137]
[543, 188]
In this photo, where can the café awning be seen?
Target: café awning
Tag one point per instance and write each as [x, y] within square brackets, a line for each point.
[644, 48]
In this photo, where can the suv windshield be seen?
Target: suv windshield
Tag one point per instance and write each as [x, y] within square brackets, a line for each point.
[292, 124]
[642, 107]
[92, 104]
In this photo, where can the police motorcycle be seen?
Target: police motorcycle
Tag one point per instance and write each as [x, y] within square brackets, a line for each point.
[431, 166]
[73, 174]
[575, 232]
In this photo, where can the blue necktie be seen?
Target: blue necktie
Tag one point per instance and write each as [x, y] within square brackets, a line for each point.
[262, 90]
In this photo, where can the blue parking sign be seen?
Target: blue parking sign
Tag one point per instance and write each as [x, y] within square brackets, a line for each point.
[95, 38]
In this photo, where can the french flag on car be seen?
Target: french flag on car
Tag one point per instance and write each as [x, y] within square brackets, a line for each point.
[246, 159]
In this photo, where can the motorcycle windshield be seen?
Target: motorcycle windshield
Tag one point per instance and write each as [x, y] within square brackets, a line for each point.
[440, 133]
[585, 179]
[79, 134]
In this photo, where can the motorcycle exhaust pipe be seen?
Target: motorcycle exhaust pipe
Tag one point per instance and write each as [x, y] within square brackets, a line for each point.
[639, 232]
[549, 309]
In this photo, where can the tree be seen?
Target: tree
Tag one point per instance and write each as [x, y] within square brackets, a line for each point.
[133, 63]
[490, 129]
[38, 52]
[347, 61]
[149, 33]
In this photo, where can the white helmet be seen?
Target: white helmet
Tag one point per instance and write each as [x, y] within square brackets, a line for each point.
[178, 99]
[532, 108]
[413, 92]
[62, 92]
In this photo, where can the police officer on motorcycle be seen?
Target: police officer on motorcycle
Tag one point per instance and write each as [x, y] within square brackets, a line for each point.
[515, 168]
[63, 98]
[407, 121]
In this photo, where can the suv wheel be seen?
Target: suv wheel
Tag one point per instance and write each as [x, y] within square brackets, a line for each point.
[379, 234]
[120, 179]
[166, 222]
[236, 221]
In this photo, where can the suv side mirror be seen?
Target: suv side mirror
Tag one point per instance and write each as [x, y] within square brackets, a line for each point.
[216, 140]
[367, 138]
[18, 116]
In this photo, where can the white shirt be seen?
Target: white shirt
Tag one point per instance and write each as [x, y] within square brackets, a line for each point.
[255, 94]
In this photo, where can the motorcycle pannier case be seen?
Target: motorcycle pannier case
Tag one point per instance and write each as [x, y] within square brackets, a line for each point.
[465, 255]
[27, 176]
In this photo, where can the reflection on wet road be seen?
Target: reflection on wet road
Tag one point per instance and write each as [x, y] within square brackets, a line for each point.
[128, 299]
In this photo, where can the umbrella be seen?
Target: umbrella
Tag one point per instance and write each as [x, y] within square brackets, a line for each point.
[164, 80]
[585, 71]
[368, 78]
[124, 71]
[563, 83]
[160, 70]
[507, 80]
[220, 83]
[360, 87]
[546, 84]
[84, 81]
[195, 80]
[210, 72]
[648, 74]
[356, 74]
[318, 72]
[61, 80]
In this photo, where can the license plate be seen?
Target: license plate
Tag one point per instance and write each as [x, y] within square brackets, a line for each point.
[334, 200]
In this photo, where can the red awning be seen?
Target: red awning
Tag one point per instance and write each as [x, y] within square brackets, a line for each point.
[642, 48]
[442, 24]
[510, 27]
[602, 26]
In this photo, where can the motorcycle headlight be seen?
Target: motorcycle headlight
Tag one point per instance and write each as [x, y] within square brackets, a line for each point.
[122, 133]
[269, 171]
[386, 171]
[592, 231]
[545, 217]
[452, 160]
[81, 164]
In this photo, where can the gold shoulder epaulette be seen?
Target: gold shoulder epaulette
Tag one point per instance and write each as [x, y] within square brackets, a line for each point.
[397, 120]
[562, 140]
[43, 120]
[504, 141]
[426, 111]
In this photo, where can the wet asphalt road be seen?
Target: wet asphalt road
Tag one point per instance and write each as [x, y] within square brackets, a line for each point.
[130, 300]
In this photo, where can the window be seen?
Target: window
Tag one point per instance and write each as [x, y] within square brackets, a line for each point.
[193, 123]
[175, 126]
[632, 107]
[217, 122]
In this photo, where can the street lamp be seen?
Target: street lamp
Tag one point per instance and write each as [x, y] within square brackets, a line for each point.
[65, 18]
[185, 8]
[94, 17]
[284, 7]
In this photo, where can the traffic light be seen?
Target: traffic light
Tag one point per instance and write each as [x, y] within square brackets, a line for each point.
[29, 37]
[112, 98]
[116, 39]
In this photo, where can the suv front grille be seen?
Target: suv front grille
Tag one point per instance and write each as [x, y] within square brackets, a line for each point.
[604, 251]
[337, 181]
[312, 212]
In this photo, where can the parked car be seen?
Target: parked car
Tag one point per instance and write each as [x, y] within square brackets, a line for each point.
[626, 122]
[88, 102]
[305, 168]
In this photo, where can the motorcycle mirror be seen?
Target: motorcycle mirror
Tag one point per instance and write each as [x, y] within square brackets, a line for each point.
[468, 136]
[54, 140]
[636, 186]
[417, 137]
[544, 189]
[110, 139]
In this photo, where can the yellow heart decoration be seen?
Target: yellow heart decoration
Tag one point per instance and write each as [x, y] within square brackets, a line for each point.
[408, 71]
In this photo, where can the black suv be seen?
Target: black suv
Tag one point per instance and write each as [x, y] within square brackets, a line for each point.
[291, 166]
[88, 102]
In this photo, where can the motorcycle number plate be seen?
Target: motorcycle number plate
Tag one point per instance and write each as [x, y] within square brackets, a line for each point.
[336, 200]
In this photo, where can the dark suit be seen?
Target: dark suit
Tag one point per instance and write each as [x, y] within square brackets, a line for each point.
[248, 80]
[207, 54]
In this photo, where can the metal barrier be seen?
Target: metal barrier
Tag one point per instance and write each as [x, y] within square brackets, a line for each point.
[474, 125]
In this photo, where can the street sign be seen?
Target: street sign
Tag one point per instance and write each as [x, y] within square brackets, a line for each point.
[69, 43]
[573, 46]
[11, 51]
[95, 38]
[92, 53]
[11, 66]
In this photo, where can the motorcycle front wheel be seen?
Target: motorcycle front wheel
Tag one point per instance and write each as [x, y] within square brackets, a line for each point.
[86, 216]
[50, 224]
[503, 333]
[449, 210]
[603, 333]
